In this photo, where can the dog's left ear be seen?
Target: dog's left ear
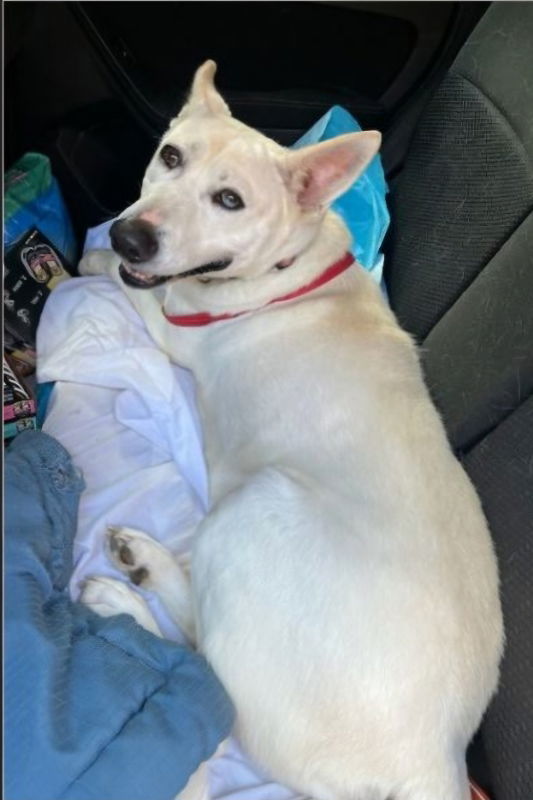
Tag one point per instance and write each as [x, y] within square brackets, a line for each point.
[319, 173]
[204, 98]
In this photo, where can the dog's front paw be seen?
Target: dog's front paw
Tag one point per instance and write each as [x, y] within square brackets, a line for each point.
[138, 556]
[96, 262]
[108, 597]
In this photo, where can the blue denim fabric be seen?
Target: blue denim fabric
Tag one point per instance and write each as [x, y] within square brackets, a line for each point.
[95, 708]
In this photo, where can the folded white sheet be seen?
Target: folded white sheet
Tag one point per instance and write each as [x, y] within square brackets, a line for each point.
[128, 418]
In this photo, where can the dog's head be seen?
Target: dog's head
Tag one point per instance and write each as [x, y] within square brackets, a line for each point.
[220, 200]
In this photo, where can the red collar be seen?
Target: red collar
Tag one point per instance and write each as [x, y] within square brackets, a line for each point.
[205, 318]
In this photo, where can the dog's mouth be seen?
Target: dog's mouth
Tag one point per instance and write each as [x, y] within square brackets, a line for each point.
[141, 280]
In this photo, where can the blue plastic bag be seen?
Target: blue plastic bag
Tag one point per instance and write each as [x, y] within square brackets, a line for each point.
[32, 199]
[362, 207]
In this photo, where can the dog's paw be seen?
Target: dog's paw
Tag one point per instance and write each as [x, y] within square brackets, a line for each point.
[141, 558]
[96, 262]
[108, 597]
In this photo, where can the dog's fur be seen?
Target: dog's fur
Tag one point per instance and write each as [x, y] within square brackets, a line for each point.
[344, 582]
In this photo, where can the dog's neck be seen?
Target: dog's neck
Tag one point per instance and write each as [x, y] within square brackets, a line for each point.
[238, 296]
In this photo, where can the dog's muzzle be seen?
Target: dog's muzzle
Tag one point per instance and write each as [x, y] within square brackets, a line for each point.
[136, 242]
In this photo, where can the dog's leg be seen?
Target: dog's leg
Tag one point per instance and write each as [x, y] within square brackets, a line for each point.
[97, 262]
[108, 597]
[442, 780]
[150, 565]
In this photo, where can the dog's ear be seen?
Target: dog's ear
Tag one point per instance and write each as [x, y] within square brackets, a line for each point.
[319, 173]
[203, 97]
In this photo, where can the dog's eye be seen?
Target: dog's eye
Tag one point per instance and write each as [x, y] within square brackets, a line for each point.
[171, 156]
[228, 199]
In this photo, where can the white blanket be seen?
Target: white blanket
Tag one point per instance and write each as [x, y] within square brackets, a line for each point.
[128, 418]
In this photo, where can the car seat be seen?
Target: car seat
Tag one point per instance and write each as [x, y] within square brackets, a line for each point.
[459, 272]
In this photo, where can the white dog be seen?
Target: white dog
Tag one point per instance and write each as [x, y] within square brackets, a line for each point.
[344, 584]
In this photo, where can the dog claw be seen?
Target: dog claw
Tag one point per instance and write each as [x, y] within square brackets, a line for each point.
[130, 551]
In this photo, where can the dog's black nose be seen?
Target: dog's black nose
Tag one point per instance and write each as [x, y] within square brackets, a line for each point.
[135, 240]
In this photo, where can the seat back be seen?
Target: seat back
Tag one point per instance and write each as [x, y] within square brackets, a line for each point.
[460, 278]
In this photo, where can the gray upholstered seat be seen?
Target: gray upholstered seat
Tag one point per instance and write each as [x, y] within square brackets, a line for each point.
[460, 277]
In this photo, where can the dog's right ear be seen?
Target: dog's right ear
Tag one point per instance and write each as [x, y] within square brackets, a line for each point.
[204, 98]
[319, 173]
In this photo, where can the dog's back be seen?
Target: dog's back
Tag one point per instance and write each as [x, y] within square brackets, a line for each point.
[349, 609]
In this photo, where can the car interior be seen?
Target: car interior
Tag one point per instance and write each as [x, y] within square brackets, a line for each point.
[450, 85]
